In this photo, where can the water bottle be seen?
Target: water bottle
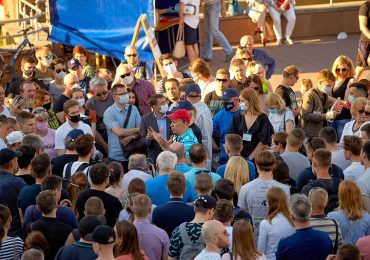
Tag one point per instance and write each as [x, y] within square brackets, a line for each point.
[334, 108]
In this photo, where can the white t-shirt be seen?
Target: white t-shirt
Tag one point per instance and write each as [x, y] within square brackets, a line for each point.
[354, 171]
[278, 120]
[364, 183]
[2, 144]
[192, 20]
[207, 87]
[5, 112]
[64, 129]
[229, 230]
[204, 255]
[347, 130]
[74, 168]
[252, 196]
[337, 158]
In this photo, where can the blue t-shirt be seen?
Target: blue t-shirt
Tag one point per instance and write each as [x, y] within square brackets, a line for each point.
[156, 189]
[252, 170]
[305, 244]
[182, 167]
[78, 250]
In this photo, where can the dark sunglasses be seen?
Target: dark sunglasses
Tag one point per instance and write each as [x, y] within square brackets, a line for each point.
[60, 70]
[362, 111]
[247, 59]
[131, 55]
[101, 93]
[257, 89]
[222, 80]
[125, 75]
[340, 69]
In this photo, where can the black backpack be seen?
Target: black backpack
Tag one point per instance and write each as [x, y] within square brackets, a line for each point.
[68, 172]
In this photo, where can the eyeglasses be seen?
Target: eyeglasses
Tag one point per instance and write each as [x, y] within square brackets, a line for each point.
[125, 75]
[60, 70]
[131, 55]
[341, 69]
[222, 80]
[38, 111]
[362, 111]
[101, 93]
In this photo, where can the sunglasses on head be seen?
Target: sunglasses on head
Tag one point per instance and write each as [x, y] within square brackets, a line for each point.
[60, 70]
[125, 75]
[340, 69]
[362, 111]
[131, 55]
[101, 93]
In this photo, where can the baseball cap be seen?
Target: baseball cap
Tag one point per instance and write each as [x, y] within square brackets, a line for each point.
[184, 104]
[229, 93]
[180, 114]
[73, 134]
[6, 155]
[193, 90]
[14, 137]
[104, 235]
[205, 202]
[73, 63]
[87, 225]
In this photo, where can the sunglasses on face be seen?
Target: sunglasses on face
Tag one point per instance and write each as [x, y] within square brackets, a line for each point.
[247, 59]
[340, 69]
[222, 80]
[60, 70]
[131, 55]
[125, 75]
[362, 111]
[101, 93]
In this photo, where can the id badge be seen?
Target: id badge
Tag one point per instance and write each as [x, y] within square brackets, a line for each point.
[247, 137]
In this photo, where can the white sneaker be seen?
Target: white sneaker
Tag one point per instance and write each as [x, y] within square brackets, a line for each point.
[279, 42]
[289, 41]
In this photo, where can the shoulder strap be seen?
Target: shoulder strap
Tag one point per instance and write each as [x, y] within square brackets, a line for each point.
[67, 174]
[336, 237]
[82, 167]
[127, 117]
[184, 234]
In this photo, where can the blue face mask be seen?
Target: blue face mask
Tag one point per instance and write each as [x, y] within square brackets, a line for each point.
[124, 99]
[351, 99]
[273, 111]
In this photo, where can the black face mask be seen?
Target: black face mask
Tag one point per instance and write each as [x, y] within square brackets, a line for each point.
[29, 73]
[47, 106]
[74, 119]
[228, 105]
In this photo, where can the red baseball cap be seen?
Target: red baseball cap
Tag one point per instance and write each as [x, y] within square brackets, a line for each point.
[180, 114]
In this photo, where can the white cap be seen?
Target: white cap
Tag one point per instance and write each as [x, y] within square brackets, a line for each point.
[14, 137]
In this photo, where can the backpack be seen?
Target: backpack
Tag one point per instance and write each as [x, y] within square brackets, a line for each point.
[68, 172]
[190, 250]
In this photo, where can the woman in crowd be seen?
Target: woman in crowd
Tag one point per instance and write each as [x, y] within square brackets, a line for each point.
[56, 87]
[115, 180]
[305, 85]
[10, 247]
[286, 8]
[244, 247]
[87, 116]
[202, 75]
[360, 110]
[80, 54]
[19, 104]
[353, 220]
[255, 83]
[237, 171]
[257, 12]
[36, 239]
[255, 67]
[127, 245]
[344, 73]
[77, 183]
[278, 224]
[42, 98]
[47, 135]
[252, 124]
[132, 97]
[281, 118]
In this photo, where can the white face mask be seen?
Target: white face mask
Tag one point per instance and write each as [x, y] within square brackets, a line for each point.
[170, 69]
[60, 75]
[81, 101]
[164, 108]
[76, 85]
[127, 80]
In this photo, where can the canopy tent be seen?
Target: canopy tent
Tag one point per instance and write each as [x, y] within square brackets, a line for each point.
[101, 26]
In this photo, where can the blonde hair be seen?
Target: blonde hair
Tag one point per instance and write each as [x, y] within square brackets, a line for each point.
[306, 83]
[342, 59]
[358, 104]
[273, 99]
[350, 199]
[237, 171]
[278, 203]
[318, 198]
[251, 97]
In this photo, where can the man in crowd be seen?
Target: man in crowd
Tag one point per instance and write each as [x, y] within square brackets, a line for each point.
[352, 152]
[7, 125]
[179, 149]
[114, 118]
[239, 70]
[172, 90]
[153, 240]
[27, 122]
[44, 59]
[71, 110]
[306, 241]
[258, 55]
[75, 68]
[364, 181]
[137, 169]
[103, 239]
[27, 89]
[365, 133]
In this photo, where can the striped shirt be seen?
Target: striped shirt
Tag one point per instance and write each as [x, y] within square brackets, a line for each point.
[327, 225]
[11, 248]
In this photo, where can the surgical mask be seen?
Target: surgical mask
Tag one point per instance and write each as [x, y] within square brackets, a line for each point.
[243, 107]
[164, 108]
[76, 85]
[60, 75]
[75, 119]
[127, 80]
[28, 73]
[326, 90]
[273, 111]
[124, 99]
[42, 126]
[46, 62]
[170, 69]
[47, 106]
[351, 98]
[228, 105]
[81, 101]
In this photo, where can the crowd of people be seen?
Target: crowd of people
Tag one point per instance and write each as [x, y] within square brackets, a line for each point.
[100, 164]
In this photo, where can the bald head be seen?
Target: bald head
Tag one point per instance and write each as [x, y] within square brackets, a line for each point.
[69, 80]
[210, 229]
[178, 149]
[130, 49]
[137, 161]
[247, 41]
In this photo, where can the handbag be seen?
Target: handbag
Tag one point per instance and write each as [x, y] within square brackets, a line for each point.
[135, 146]
[179, 49]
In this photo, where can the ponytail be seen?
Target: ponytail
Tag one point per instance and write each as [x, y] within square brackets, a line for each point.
[115, 172]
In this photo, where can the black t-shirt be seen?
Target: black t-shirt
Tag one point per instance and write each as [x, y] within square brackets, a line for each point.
[58, 104]
[365, 11]
[14, 86]
[59, 162]
[260, 131]
[289, 97]
[197, 132]
[238, 86]
[112, 205]
[55, 232]
[28, 179]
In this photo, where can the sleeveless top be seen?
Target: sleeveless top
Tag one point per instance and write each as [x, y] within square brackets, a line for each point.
[340, 92]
